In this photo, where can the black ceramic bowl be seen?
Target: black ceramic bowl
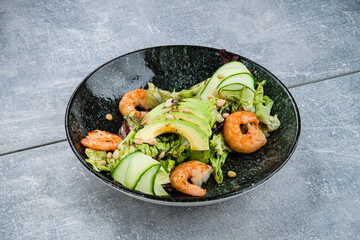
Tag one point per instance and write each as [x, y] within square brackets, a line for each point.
[179, 67]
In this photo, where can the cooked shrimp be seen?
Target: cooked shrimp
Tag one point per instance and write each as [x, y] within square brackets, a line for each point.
[101, 140]
[133, 99]
[251, 140]
[198, 172]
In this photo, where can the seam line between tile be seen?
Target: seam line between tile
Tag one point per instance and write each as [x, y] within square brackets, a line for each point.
[33, 147]
[324, 79]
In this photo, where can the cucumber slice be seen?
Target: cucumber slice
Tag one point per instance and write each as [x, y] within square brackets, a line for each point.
[142, 173]
[231, 93]
[247, 99]
[129, 171]
[226, 70]
[162, 176]
[147, 181]
[232, 87]
[140, 163]
[159, 180]
[160, 191]
[243, 78]
[247, 95]
[119, 173]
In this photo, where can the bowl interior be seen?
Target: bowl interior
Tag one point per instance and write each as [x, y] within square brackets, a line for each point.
[179, 67]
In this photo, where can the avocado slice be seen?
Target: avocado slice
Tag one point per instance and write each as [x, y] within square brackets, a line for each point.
[187, 117]
[194, 102]
[197, 138]
[159, 109]
[198, 108]
[200, 112]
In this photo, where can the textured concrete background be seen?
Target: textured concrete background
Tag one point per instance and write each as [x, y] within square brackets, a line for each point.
[48, 47]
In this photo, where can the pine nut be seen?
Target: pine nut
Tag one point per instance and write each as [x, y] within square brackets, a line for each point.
[220, 102]
[169, 103]
[231, 174]
[102, 162]
[109, 155]
[109, 117]
[210, 96]
[116, 154]
[138, 141]
[225, 115]
[152, 142]
[216, 92]
[169, 116]
[222, 95]
[220, 76]
[185, 111]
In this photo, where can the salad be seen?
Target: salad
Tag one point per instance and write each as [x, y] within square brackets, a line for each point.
[179, 140]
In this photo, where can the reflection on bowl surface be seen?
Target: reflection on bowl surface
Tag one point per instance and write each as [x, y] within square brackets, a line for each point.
[179, 67]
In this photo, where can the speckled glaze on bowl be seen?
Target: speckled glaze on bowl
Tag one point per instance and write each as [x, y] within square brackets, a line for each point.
[179, 67]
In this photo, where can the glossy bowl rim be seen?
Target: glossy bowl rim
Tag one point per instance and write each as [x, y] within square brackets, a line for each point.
[186, 201]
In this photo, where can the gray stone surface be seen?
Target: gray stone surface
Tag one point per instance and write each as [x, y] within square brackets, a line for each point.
[48, 194]
[47, 47]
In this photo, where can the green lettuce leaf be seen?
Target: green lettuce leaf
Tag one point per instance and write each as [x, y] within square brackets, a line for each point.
[94, 158]
[155, 95]
[127, 145]
[232, 104]
[175, 146]
[169, 164]
[218, 153]
[263, 105]
[130, 123]
[172, 146]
